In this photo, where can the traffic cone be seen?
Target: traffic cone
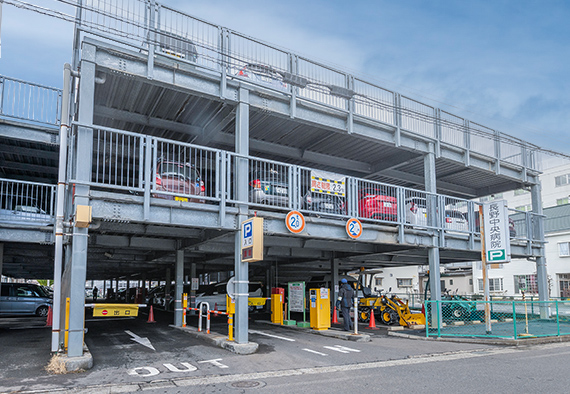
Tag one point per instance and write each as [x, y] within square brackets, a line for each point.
[335, 318]
[49, 319]
[151, 316]
[423, 309]
[216, 309]
[372, 324]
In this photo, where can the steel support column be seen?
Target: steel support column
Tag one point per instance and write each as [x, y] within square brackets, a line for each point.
[334, 280]
[82, 163]
[433, 251]
[192, 300]
[179, 288]
[241, 269]
[538, 235]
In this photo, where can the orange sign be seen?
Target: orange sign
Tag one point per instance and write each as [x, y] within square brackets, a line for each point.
[295, 222]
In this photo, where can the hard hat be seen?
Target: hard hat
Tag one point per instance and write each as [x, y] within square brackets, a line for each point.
[343, 280]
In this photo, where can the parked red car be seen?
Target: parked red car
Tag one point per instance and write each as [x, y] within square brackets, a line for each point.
[375, 204]
[179, 178]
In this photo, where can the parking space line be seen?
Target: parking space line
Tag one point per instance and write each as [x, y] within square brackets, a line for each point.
[270, 335]
[314, 351]
[341, 349]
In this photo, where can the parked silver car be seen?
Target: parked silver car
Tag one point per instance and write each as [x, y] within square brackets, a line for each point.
[24, 299]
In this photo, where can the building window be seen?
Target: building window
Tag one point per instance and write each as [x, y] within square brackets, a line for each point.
[562, 201]
[378, 281]
[406, 282]
[527, 283]
[471, 281]
[564, 249]
[495, 284]
[561, 180]
[519, 192]
[451, 282]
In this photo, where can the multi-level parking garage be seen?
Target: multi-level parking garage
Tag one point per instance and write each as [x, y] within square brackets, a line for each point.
[175, 130]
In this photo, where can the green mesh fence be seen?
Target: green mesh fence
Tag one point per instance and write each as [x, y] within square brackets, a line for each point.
[506, 319]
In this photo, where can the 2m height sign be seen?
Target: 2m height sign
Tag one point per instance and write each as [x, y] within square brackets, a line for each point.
[496, 228]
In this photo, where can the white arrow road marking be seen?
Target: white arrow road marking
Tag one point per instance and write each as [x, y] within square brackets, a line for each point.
[142, 341]
[314, 351]
[342, 349]
[270, 335]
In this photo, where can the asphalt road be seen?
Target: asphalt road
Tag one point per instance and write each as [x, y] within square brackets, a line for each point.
[288, 361]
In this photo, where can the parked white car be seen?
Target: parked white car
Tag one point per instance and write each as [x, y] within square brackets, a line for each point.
[216, 295]
[416, 215]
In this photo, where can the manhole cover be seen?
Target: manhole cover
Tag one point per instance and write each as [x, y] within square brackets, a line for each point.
[247, 384]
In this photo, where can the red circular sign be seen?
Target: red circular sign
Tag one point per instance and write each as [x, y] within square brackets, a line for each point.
[295, 222]
[104, 313]
[353, 228]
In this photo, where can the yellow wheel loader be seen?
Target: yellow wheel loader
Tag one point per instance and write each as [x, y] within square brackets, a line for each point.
[391, 310]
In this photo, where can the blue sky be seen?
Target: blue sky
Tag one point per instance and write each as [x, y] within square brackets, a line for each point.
[503, 64]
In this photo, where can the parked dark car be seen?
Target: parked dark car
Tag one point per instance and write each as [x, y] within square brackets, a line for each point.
[269, 186]
[24, 299]
[179, 178]
[375, 204]
[323, 203]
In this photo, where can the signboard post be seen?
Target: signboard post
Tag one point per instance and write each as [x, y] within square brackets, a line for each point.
[296, 300]
[495, 244]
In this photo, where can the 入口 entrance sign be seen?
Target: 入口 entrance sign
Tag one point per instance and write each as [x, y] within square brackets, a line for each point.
[496, 229]
[252, 240]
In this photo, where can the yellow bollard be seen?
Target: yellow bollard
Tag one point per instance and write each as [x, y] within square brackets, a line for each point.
[230, 327]
[66, 336]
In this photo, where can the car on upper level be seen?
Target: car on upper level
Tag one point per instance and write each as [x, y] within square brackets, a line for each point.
[265, 75]
[24, 299]
[374, 203]
[179, 180]
[416, 214]
[269, 186]
[26, 214]
[322, 203]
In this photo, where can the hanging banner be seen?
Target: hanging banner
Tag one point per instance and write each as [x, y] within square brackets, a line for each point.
[496, 228]
[328, 183]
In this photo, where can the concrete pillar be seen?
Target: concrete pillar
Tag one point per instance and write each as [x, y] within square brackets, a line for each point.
[82, 164]
[241, 269]
[167, 286]
[179, 288]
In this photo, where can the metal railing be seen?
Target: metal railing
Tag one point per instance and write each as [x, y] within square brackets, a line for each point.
[128, 162]
[157, 29]
[508, 319]
[26, 202]
[29, 102]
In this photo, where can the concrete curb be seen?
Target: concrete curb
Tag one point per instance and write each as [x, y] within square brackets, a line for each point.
[487, 341]
[340, 334]
[220, 341]
[74, 364]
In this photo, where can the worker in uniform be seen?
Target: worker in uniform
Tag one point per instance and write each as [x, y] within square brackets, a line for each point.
[344, 301]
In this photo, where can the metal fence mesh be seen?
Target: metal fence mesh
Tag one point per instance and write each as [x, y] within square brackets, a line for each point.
[507, 319]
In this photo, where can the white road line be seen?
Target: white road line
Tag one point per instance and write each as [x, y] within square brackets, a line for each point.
[270, 335]
[336, 349]
[314, 351]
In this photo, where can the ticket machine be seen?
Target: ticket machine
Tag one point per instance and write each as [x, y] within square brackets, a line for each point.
[320, 308]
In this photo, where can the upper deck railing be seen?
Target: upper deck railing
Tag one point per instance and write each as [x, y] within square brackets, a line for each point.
[162, 169]
[158, 29]
[29, 102]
